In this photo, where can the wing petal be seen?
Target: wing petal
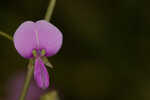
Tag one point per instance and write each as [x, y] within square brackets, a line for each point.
[40, 74]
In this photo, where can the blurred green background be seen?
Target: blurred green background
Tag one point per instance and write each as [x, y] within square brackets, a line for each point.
[105, 54]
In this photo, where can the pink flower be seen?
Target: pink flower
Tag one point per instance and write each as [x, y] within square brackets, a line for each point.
[37, 40]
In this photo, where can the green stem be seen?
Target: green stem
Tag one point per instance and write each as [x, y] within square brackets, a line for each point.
[50, 9]
[31, 67]
[6, 35]
[27, 80]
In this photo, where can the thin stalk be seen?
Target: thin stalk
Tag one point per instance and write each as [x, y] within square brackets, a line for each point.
[6, 35]
[27, 80]
[50, 9]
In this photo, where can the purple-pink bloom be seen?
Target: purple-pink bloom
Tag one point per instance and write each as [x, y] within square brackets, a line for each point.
[38, 36]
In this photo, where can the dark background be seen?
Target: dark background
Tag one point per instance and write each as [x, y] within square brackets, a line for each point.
[106, 49]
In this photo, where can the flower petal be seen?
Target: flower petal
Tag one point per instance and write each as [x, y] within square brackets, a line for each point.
[39, 35]
[24, 39]
[40, 74]
[50, 38]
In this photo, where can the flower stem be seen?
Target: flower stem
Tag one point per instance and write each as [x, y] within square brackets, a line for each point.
[50, 9]
[28, 79]
[6, 35]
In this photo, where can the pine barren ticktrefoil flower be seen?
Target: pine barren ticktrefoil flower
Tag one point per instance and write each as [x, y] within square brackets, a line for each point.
[37, 40]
